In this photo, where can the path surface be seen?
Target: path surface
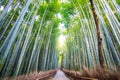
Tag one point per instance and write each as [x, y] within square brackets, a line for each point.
[60, 76]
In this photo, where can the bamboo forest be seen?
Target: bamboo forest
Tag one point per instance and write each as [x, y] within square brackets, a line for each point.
[59, 39]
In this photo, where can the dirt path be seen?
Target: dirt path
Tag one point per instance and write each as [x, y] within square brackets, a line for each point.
[60, 76]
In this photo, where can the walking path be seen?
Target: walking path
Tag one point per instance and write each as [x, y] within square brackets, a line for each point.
[60, 76]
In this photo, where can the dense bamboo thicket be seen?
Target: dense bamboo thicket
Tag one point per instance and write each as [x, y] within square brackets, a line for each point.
[40, 35]
[82, 44]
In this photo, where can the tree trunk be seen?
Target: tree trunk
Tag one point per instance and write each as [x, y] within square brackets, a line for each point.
[98, 35]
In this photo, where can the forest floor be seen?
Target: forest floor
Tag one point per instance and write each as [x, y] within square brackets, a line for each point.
[93, 74]
[63, 74]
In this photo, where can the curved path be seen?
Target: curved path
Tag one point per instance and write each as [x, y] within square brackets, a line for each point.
[60, 76]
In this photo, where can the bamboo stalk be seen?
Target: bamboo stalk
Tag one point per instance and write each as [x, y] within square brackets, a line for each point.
[98, 35]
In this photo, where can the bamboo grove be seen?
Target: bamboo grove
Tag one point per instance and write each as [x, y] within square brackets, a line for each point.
[82, 42]
[30, 30]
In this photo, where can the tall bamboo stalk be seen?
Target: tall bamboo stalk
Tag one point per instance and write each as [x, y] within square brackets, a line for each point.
[98, 35]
